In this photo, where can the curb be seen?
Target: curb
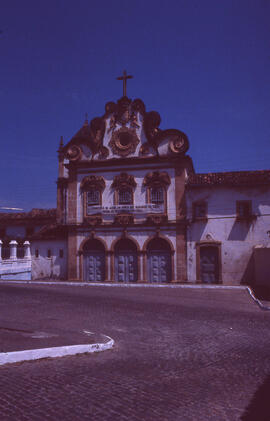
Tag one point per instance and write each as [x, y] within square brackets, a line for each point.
[261, 305]
[125, 285]
[59, 351]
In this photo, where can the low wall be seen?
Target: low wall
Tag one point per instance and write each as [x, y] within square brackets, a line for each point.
[14, 268]
[19, 269]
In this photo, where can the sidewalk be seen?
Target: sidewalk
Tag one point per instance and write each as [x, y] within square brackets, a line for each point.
[13, 338]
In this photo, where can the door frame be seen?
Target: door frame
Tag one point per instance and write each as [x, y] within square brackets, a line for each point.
[207, 243]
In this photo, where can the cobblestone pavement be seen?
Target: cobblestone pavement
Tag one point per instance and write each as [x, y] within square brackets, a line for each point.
[179, 355]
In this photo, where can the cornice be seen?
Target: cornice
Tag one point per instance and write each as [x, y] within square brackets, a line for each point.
[172, 161]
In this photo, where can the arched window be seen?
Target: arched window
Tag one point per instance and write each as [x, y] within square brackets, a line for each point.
[92, 187]
[124, 185]
[93, 197]
[156, 184]
[125, 196]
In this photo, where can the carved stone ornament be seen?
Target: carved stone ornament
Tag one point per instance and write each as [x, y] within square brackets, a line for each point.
[93, 220]
[93, 182]
[178, 143]
[124, 141]
[157, 178]
[74, 153]
[156, 219]
[124, 219]
[124, 112]
[123, 180]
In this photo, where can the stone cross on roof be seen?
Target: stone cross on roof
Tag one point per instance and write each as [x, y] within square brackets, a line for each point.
[124, 79]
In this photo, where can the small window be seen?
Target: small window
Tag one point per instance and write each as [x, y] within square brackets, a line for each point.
[125, 197]
[199, 210]
[49, 253]
[61, 253]
[36, 253]
[157, 195]
[243, 209]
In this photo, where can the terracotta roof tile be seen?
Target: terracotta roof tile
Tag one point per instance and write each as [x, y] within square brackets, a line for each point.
[234, 178]
[33, 214]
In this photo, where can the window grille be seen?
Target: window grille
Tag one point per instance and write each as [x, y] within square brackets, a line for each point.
[93, 199]
[125, 197]
[49, 253]
[157, 195]
[61, 253]
[36, 253]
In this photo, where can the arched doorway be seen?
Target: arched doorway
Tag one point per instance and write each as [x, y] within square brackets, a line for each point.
[159, 261]
[125, 261]
[93, 261]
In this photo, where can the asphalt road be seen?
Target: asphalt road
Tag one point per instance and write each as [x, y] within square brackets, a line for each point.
[180, 354]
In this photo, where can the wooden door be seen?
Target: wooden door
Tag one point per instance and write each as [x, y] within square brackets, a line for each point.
[126, 266]
[94, 267]
[209, 265]
[159, 266]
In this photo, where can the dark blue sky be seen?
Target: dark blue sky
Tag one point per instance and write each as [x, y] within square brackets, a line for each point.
[203, 65]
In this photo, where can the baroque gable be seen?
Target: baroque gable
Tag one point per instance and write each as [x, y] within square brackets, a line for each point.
[125, 130]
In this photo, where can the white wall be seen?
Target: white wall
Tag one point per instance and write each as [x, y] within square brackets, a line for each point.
[237, 238]
[139, 191]
[49, 267]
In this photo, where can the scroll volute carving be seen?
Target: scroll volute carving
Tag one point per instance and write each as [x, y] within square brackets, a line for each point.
[74, 153]
[93, 182]
[156, 179]
[123, 180]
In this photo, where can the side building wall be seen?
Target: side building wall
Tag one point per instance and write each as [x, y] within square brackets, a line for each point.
[234, 237]
[49, 259]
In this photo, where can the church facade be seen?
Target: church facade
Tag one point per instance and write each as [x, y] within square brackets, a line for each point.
[121, 197]
[131, 208]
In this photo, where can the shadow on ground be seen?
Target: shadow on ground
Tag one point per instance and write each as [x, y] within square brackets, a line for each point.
[259, 406]
[261, 292]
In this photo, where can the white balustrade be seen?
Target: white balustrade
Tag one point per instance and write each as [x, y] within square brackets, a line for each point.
[13, 249]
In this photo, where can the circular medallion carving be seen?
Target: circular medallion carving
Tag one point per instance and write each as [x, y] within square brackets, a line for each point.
[124, 141]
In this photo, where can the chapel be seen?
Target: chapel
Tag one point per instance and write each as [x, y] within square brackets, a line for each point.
[131, 208]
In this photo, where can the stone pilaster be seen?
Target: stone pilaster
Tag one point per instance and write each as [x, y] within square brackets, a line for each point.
[180, 202]
[72, 255]
[72, 197]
